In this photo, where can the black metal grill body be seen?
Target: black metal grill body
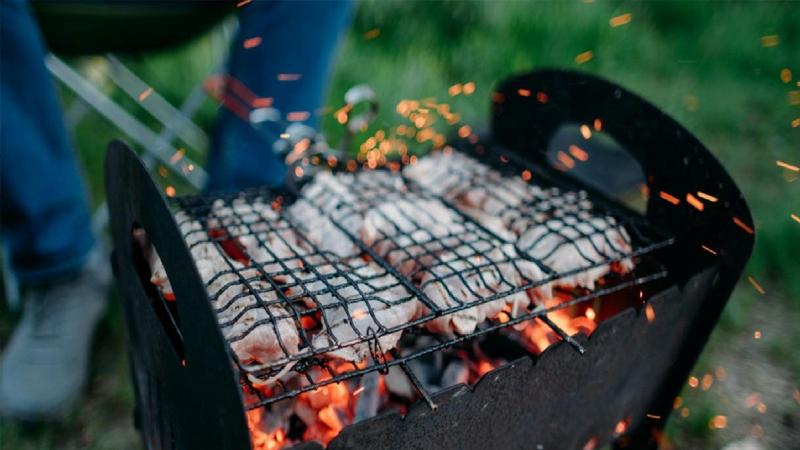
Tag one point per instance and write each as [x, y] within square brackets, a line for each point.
[188, 394]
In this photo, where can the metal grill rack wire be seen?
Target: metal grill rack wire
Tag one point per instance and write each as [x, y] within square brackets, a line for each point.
[292, 287]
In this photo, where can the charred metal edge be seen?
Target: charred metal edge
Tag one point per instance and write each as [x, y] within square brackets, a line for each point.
[564, 399]
[673, 161]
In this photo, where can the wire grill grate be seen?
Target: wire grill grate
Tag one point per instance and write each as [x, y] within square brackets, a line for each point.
[357, 259]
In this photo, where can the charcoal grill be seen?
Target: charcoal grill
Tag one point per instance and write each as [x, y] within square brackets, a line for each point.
[189, 384]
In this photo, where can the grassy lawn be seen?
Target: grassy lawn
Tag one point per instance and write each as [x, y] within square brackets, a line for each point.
[708, 65]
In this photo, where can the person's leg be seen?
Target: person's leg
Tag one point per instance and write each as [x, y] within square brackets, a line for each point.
[45, 224]
[45, 218]
[290, 64]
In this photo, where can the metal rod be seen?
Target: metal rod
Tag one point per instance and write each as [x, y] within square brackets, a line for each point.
[418, 386]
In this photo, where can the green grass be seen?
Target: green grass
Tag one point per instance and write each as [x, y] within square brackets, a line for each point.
[703, 63]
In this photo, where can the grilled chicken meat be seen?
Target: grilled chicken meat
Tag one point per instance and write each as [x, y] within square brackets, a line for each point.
[554, 227]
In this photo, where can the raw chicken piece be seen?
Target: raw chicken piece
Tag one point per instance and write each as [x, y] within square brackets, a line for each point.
[344, 199]
[471, 278]
[238, 310]
[262, 337]
[532, 214]
[368, 301]
[410, 232]
[572, 244]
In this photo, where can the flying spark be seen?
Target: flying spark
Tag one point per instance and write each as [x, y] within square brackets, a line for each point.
[708, 197]
[242, 3]
[145, 93]
[584, 57]
[252, 42]
[795, 217]
[297, 116]
[289, 76]
[718, 422]
[650, 313]
[756, 285]
[620, 20]
[669, 197]
[786, 75]
[708, 249]
[739, 223]
[787, 166]
[455, 89]
[524, 92]
[469, 88]
[757, 334]
[770, 41]
[541, 97]
[796, 123]
[526, 175]
[692, 200]
[586, 132]
[170, 191]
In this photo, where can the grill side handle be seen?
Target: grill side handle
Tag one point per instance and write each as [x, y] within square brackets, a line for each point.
[186, 391]
[674, 163]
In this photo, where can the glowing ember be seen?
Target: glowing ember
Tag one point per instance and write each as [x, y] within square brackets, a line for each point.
[469, 88]
[620, 20]
[584, 57]
[455, 89]
[591, 444]
[297, 116]
[669, 197]
[718, 422]
[692, 200]
[526, 175]
[586, 132]
[756, 285]
[372, 34]
[579, 153]
[252, 42]
[590, 314]
[621, 426]
[786, 75]
[677, 402]
[145, 93]
[707, 382]
[170, 191]
[541, 97]
[739, 223]
[707, 197]
[757, 335]
[693, 382]
[177, 156]
[524, 92]
[650, 313]
[770, 40]
[464, 131]
[708, 249]
[565, 159]
[289, 76]
[598, 124]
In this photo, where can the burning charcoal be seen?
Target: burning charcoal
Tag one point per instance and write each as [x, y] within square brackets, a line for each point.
[456, 372]
[398, 383]
[368, 400]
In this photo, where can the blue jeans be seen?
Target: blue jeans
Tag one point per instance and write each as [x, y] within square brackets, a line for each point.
[44, 214]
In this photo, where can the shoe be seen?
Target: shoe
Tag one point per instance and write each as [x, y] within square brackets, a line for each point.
[45, 365]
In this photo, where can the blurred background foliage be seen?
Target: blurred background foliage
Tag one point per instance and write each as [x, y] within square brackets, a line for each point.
[728, 71]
